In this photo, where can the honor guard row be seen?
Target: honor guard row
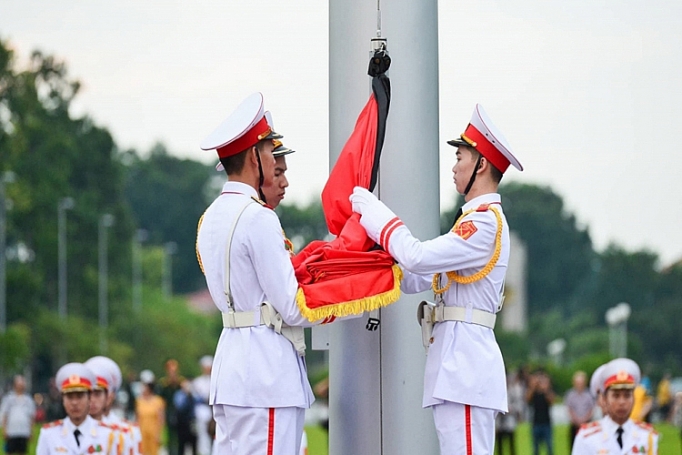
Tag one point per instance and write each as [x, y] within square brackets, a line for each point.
[78, 433]
[616, 433]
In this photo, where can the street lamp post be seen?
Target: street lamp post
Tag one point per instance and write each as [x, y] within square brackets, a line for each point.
[105, 222]
[169, 249]
[139, 237]
[617, 319]
[65, 204]
[555, 349]
[6, 177]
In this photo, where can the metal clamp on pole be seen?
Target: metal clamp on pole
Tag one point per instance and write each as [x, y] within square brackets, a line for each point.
[373, 321]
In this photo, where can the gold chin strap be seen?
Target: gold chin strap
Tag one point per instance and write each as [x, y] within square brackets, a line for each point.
[454, 276]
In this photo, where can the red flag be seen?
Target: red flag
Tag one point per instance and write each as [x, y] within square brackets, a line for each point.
[349, 275]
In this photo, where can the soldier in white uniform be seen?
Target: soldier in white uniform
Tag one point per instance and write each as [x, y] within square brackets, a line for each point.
[274, 194]
[259, 385]
[595, 390]
[201, 388]
[109, 379]
[464, 381]
[616, 433]
[78, 433]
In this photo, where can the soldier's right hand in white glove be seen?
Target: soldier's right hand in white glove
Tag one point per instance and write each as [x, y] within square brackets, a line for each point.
[375, 214]
[361, 199]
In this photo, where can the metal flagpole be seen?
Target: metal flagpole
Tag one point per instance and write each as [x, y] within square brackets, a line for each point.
[376, 378]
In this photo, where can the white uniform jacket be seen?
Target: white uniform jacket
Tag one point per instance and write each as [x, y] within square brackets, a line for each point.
[253, 366]
[96, 438]
[464, 363]
[600, 438]
[130, 433]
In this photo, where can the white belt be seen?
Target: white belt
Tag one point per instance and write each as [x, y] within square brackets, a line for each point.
[470, 315]
[269, 317]
[242, 319]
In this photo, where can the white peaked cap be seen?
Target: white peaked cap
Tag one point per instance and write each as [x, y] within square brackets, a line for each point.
[272, 135]
[595, 381]
[105, 367]
[620, 373]
[242, 129]
[75, 377]
[488, 140]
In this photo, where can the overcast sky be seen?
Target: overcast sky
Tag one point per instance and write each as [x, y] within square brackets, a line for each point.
[588, 92]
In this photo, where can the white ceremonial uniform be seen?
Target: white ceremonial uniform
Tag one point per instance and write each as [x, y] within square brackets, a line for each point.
[58, 438]
[254, 367]
[600, 438]
[464, 363]
[130, 432]
[201, 386]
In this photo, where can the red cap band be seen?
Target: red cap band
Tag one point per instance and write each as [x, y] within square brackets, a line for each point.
[76, 382]
[102, 383]
[487, 148]
[621, 378]
[258, 132]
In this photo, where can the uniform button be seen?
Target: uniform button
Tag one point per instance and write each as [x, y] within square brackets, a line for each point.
[431, 340]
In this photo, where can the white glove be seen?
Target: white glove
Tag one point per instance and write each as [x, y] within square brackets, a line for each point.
[375, 215]
[361, 199]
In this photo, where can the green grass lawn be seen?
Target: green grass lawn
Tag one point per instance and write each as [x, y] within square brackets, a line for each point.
[669, 443]
[318, 441]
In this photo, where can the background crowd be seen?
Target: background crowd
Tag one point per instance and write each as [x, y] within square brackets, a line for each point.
[533, 399]
[174, 416]
[172, 411]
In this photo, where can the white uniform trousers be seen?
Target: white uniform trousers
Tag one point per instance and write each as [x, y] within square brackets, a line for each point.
[203, 416]
[464, 429]
[258, 431]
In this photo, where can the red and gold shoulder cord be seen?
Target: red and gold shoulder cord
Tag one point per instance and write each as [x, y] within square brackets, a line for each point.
[454, 276]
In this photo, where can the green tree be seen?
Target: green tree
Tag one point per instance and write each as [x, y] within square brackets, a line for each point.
[560, 254]
[54, 155]
[168, 196]
[303, 224]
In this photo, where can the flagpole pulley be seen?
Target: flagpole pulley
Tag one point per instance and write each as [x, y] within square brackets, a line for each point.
[379, 61]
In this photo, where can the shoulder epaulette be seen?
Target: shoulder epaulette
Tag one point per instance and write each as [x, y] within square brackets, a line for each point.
[646, 426]
[590, 425]
[588, 429]
[483, 208]
[56, 423]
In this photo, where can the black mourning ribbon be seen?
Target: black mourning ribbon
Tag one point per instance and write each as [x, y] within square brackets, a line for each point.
[77, 433]
[619, 438]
